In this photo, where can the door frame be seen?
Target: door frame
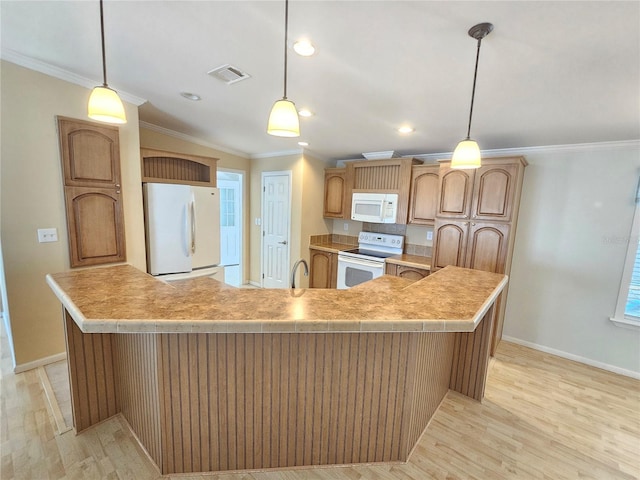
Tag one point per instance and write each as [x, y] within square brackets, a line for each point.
[243, 214]
[265, 174]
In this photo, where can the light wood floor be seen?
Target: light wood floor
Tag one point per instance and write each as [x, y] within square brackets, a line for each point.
[543, 418]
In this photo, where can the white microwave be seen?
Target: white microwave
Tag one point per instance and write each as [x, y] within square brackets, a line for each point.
[374, 207]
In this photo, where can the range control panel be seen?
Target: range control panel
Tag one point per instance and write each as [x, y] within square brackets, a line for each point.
[380, 240]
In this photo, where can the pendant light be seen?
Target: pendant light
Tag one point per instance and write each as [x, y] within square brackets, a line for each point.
[283, 120]
[467, 153]
[104, 103]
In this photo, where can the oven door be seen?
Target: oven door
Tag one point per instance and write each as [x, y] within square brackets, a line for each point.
[354, 271]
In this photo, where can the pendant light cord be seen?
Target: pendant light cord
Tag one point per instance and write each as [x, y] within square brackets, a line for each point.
[104, 61]
[473, 90]
[286, 36]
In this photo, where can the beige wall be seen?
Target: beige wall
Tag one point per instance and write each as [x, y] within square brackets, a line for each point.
[153, 139]
[307, 193]
[32, 197]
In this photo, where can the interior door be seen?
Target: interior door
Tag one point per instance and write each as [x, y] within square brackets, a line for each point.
[229, 222]
[276, 220]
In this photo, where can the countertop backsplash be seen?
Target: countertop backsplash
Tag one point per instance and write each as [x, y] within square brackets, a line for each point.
[423, 250]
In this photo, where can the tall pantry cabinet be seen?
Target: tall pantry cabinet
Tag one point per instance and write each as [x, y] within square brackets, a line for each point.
[476, 220]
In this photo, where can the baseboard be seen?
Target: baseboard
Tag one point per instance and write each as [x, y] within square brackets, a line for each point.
[255, 284]
[7, 331]
[575, 358]
[23, 367]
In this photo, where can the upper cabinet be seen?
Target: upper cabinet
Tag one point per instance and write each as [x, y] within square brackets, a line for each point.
[90, 155]
[171, 167]
[335, 193]
[494, 188]
[455, 192]
[423, 199]
[388, 176]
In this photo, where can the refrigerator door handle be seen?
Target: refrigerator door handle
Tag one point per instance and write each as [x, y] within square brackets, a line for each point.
[193, 227]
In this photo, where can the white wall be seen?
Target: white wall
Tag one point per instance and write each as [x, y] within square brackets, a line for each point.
[574, 224]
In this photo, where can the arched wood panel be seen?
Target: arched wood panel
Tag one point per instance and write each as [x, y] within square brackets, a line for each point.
[95, 217]
[456, 187]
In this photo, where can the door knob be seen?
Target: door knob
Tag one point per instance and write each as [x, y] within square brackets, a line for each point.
[283, 242]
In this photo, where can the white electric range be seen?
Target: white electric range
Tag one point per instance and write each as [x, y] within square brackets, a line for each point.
[367, 261]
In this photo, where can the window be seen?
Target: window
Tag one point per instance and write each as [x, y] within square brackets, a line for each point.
[628, 306]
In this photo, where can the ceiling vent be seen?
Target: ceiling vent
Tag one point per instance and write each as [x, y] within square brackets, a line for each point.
[228, 74]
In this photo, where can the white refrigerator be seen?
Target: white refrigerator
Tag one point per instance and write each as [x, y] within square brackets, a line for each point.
[182, 225]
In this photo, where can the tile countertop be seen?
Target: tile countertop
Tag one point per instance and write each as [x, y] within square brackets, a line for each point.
[332, 247]
[123, 299]
[407, 260]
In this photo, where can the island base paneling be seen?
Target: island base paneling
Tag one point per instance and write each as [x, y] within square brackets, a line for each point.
[92, 377]
[217, 402]
[471, 358]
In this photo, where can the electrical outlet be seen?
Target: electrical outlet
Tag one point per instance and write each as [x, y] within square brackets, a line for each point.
[429, 234]
[47, 235]
[345, 227]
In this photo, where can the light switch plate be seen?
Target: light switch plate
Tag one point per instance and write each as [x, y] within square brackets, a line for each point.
[47, 235]
[429, 234]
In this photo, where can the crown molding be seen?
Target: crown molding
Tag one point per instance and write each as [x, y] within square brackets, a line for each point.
[191, 139]
[62, 74]
[283, 153]
[577, 147]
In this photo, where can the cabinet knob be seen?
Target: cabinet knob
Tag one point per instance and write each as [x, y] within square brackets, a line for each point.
[117, 191]
[473, 224]
[117, 185]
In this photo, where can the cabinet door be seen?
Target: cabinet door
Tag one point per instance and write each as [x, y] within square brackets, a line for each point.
[455, 192]
[411, 273]
[487, 247]
[390, 269]
[323, 269]
[96, 229]
[494, 189]
[90, 154]
[334, 193]
[450, 242]
[423, 201]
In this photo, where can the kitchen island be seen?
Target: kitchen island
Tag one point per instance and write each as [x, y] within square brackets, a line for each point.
[214, 378]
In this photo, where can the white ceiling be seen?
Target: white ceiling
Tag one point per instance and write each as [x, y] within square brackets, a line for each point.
[550, 73]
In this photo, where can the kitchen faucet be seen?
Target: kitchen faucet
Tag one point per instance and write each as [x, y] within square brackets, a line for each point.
[295, 267]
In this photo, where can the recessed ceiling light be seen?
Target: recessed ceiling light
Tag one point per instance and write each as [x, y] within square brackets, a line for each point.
[303, 144]
[190, 96]
[305, 113]
[406, 129]
[304, 48]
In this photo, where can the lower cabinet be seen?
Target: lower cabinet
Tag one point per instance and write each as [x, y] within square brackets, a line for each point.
[403, 271]
[323, 269]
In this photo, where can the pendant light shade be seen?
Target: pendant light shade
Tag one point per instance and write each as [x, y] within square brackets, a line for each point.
[467, 153]
[283, 120]
[104, 103]
[105, 106]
